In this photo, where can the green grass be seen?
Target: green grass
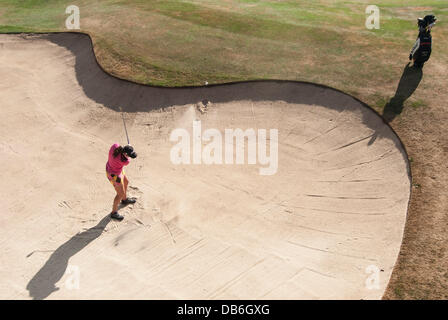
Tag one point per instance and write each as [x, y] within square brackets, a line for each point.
[9, 29]
[174, 43]
[31, 15]
[379, 101]
[234, 22]
[417, 103]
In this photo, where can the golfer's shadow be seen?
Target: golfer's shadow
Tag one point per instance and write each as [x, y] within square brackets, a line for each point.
[409, 81]
[44, 282]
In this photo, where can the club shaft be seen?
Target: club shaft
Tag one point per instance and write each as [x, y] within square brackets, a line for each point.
[125, 129]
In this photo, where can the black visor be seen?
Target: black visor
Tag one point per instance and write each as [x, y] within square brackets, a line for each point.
[129, 150]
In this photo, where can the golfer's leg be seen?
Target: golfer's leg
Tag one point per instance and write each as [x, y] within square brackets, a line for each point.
[119, 188]
[126, 182]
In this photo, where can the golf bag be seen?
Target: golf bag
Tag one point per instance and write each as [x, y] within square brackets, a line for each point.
[424, 50]
[421, 51]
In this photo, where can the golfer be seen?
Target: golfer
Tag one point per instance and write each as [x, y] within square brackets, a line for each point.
[118, 158]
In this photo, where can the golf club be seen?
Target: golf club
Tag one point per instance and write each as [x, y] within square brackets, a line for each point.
[124, 123]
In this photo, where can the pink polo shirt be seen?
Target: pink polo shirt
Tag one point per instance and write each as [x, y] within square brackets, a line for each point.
[115, 165]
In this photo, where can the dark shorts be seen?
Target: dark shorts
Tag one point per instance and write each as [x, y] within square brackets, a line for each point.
[116, 180]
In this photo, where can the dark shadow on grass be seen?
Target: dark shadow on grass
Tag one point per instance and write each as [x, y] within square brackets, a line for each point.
[409, 81]
[44, 282]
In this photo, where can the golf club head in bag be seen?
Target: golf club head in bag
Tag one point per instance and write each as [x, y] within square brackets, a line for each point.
[426, 23]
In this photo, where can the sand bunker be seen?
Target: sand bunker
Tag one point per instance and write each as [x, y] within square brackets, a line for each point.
[328, 224]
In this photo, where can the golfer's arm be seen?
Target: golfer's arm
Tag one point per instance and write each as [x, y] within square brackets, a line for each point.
[416, 46]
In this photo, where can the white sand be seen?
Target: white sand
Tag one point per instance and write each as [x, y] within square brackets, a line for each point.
[336, 205]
